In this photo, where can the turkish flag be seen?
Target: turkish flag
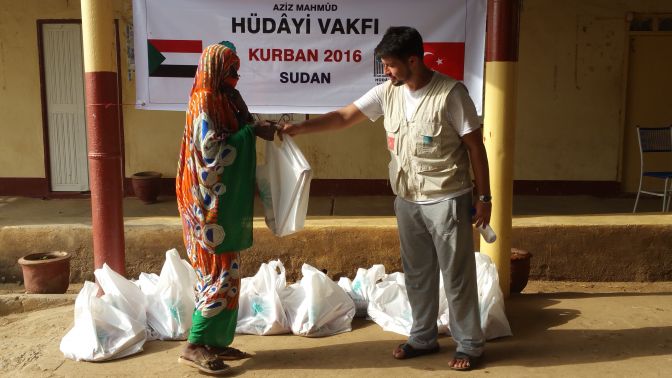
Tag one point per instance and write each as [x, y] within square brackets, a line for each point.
[445, 57]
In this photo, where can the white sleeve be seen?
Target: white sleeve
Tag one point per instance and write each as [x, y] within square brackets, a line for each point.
[461, 111]
[371, 104]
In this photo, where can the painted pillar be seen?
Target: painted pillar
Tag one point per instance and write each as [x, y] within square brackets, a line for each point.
[501, 57]
[103, 141]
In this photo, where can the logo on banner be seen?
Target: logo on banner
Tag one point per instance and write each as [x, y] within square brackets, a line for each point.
[444, 57]
[171, 57]
[378, 71]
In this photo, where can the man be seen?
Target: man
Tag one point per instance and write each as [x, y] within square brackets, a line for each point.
[432, 133]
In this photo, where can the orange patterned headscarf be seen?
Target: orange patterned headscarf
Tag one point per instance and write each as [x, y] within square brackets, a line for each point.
[207, 102]
[214, 70]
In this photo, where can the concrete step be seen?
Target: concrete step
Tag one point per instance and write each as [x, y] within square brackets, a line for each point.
[619, 247]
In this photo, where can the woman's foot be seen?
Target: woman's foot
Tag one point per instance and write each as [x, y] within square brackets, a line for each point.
[201, 358]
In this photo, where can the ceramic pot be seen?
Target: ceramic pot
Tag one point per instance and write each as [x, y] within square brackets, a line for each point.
[520, 269]
[46, 273]
[146, 186]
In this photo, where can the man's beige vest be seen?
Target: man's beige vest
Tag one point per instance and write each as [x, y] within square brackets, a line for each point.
[428, 158]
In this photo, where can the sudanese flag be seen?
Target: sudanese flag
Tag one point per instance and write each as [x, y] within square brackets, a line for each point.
[173, 57]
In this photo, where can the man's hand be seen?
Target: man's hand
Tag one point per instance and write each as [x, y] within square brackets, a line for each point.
[482, 213]
[265, 130]
[290, 129]
[338, 119]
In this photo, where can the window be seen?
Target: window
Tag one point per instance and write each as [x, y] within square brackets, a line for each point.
[651, 22]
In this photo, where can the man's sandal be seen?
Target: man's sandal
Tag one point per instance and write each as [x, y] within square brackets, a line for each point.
[410, 352]
[472, 361]
[229, 353]
[210, 365]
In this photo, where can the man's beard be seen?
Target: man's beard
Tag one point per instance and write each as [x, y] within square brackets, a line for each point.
[398, 83]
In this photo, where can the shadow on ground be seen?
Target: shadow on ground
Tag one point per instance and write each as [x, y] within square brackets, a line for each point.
[544, 336]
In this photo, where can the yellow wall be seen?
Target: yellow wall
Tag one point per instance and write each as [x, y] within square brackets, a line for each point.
[570, 87]
[649, 75]
[152, 138]
[571, 84]
[21, 147]
[359, 152]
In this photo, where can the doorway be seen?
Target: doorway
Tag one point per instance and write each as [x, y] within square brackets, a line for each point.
[63, 86]
[647, 102]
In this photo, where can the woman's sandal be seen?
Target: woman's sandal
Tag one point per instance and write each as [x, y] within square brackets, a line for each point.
[472, 361]
[206, 364]
[229, 353]
[410, 352]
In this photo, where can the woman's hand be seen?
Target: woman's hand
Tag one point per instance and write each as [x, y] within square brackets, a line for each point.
[265, 130]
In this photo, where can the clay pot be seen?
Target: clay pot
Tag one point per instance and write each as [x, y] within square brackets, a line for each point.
[146, 186]
[520, 269]
[46, 273]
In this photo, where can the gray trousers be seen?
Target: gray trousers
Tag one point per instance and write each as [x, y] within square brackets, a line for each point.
[437, 239]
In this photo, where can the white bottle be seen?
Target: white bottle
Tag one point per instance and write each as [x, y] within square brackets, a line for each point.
[487, 233]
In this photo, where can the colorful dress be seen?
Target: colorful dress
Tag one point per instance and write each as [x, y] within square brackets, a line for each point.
[215, 189]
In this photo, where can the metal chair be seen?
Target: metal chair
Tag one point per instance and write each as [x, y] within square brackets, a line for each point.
[654, 139]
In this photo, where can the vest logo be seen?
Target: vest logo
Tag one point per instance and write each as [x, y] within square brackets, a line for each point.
[390, 142]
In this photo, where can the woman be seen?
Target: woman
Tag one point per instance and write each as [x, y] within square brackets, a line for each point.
[215, 193]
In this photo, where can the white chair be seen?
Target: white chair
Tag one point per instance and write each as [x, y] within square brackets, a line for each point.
[654, 140]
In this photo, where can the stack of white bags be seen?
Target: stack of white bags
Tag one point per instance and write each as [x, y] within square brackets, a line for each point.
[118, 323]
[316, 306]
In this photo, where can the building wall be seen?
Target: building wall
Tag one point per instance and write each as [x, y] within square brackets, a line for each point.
[571, 85]
[151, 138]
[21, 145]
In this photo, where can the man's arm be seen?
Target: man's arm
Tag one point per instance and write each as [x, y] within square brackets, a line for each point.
[479, 163]
[338, 119]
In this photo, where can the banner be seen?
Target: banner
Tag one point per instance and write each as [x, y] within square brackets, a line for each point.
[299, 56]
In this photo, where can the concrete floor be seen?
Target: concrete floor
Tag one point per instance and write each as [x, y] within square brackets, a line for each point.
[559, 330]
[16, 211]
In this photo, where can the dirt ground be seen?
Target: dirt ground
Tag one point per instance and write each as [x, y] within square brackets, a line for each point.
[560, 329]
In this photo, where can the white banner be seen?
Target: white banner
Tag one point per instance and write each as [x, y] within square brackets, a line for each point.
[299, 56]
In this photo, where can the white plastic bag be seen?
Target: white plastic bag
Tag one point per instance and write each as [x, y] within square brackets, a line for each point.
[284, 184]
[81, 342]
[317, 306]
[260, 310]
[389, 306]
[147, 282]
[490, 301]
[109, 327]
[361, 288]
[171, 303]
[122, 293]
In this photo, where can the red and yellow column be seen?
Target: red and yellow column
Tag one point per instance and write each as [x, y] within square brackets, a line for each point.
[501, 57]
[103, 134]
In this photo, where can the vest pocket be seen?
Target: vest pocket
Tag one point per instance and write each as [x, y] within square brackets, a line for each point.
[392, 136]
[434, 178]
[427, 140]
